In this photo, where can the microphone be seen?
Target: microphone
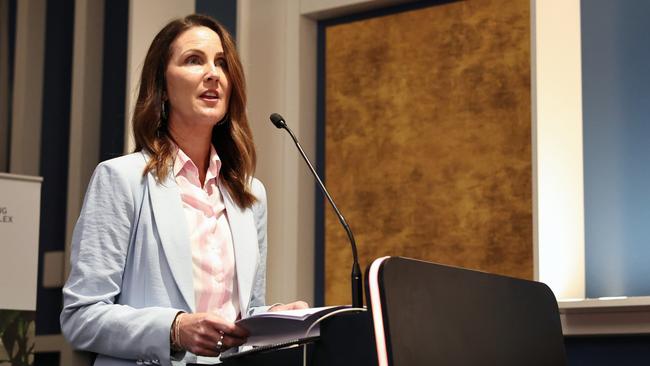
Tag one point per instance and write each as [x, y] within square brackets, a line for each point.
[357, 294]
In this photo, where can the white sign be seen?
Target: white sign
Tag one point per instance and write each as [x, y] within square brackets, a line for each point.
[20, 206]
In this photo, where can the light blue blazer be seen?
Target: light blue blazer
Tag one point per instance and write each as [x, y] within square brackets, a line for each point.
[131, 264]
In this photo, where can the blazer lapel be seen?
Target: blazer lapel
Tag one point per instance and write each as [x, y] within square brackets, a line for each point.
[244, 237]
[174, 234]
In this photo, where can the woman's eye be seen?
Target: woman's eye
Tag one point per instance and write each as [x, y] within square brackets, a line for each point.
[193, 60]
[221, 62]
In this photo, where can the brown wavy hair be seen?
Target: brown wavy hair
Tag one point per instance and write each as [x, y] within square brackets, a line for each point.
[232, 136]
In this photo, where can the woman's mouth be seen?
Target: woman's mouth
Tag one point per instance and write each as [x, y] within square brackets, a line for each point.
[210, 95]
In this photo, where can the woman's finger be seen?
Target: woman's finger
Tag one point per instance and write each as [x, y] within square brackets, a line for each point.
[231, 342]
[209, 335]
[296, 305]
[299, 305]
[225, 327]
[206, 346]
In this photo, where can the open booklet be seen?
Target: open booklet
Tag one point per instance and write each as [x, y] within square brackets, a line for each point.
[279, 327]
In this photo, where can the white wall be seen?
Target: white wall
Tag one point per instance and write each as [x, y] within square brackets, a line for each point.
[28, 88]
[146, 18]
[558, 210]
[278, 50]
[85, 108]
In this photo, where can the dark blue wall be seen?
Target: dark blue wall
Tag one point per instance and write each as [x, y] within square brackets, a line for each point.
[11, 47]
[608, 351]
[616, 110]
[55, 135]
[224, 11]
[616, 114]
[116, 28]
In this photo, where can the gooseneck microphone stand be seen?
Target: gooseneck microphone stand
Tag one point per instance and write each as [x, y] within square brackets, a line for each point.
[357, 293]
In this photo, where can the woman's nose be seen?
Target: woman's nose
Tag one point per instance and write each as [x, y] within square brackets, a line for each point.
[212, 73]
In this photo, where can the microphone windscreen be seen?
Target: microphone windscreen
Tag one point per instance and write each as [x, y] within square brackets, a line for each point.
[277, 120]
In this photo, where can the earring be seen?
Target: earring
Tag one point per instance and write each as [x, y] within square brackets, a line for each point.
[163, 111]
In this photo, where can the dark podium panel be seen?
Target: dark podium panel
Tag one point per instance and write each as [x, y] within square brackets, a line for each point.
[423, 313]
[432, 314]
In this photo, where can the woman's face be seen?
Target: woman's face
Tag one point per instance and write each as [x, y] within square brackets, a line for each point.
[198, 89]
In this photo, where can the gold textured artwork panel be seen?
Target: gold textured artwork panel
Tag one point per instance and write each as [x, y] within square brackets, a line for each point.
[428, 138]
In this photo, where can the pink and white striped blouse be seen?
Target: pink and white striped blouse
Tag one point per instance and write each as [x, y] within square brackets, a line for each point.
[213, 259]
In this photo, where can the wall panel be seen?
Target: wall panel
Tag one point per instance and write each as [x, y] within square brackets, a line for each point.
[616, 84]
[428, 138]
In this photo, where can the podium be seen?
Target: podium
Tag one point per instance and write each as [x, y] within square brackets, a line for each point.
[423, 313]
[345, 339]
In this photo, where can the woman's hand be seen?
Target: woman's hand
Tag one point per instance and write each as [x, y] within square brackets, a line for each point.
[207, 334]
[296, 305]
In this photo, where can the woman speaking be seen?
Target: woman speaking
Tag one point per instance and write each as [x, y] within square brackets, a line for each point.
[170, 246]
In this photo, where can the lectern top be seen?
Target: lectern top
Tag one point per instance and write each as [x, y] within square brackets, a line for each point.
[431, 314]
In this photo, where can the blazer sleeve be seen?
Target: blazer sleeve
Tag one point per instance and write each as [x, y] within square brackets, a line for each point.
[258, 293]
[91, 319]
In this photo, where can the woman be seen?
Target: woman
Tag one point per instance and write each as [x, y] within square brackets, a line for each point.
[170, 246]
